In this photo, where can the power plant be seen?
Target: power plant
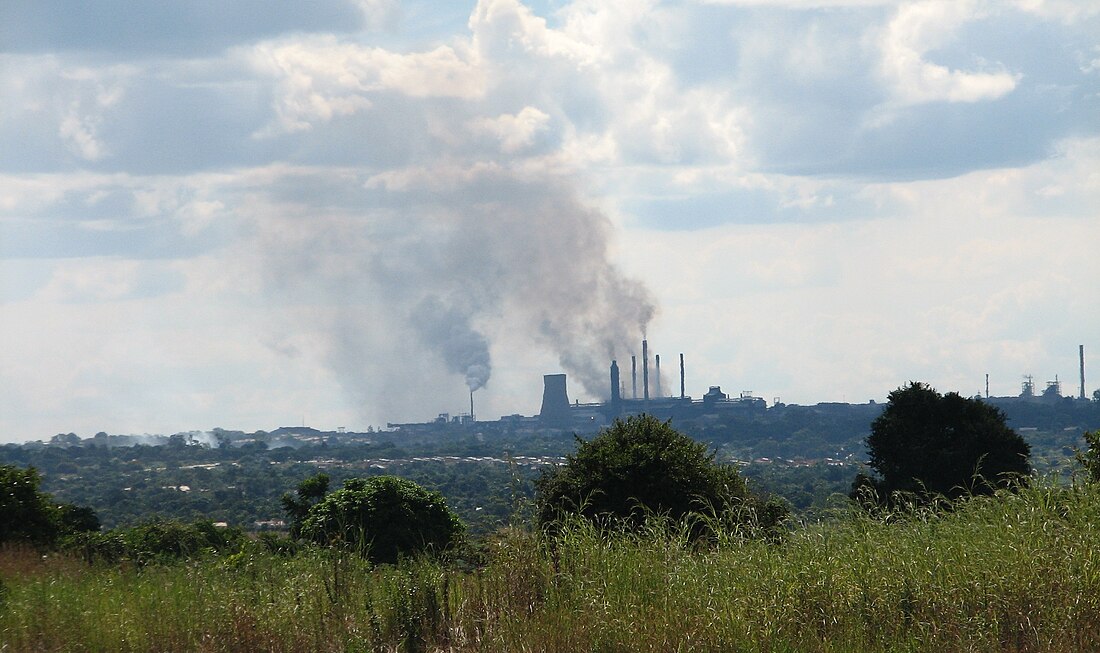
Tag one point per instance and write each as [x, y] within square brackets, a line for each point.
[557, 412]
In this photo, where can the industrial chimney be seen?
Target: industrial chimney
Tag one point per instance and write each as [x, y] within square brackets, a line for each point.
[657, 385]
[645, 369]
[615, 383]
[555, 401]
[1081, 353]
[681, 376]
[633, 377]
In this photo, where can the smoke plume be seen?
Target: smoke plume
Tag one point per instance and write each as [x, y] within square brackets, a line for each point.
[445, 253]
[413, 284]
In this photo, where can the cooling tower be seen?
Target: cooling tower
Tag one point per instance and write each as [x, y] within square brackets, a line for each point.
[555, 401]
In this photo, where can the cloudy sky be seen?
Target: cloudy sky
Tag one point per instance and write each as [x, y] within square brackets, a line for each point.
[346, 212]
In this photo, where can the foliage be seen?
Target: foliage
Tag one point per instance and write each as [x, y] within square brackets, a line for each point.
[497, 465]
[642, 466]
[156, 541]
[25, 513]
[928, 445]
[1014, 572]
[309, 493]
[32, 516]
[384, 518]
[1090, 458]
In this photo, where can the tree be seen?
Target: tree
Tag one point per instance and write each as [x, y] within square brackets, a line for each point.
[25, 513]
[926, 444]
[1090, 458]
[641, 466]
[32, 516]
[384, 518]
[309, 493]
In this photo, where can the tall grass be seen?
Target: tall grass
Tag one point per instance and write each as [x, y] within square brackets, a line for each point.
[1015, 572]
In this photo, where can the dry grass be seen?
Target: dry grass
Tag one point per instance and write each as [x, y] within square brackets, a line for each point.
[1014, 573]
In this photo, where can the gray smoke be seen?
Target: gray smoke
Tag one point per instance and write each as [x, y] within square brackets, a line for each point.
[440, 260]
[464, 350]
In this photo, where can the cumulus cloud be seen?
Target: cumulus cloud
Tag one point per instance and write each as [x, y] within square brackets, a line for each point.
[323, 78]
[407, 200]
[514, 131]
[919, 27]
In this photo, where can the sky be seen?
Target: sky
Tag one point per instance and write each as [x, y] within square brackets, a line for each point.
[246, 215]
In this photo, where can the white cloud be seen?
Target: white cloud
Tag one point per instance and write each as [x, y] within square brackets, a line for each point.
[228, 280]
[515, 132]
[800, 4]
[916, 29]
[321, 78]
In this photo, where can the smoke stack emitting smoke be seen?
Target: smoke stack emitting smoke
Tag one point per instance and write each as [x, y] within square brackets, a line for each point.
[450, 257]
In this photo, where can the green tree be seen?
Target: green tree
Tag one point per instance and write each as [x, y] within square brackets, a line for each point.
[384, 518]
[25, 513]
[641, 466]
[925, 444]
[1090, 458]
[309, 493]
[32, 516]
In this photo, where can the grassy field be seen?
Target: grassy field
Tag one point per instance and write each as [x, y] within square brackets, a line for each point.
[1012, 573]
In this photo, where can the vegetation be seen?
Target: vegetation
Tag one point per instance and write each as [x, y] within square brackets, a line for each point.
[1007, 572]
[383, 518]
[28, 515]
[805, 454]
[1090, 458]
[640, 467]
[156, 541]
[928, 445]
[309, 493]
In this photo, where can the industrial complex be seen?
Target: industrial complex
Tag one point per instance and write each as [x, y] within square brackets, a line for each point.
[648, 394]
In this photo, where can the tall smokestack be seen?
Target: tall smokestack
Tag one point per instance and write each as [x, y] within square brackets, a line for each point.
[633, 377]
[657, 385]
[1081, 353]
[615, 383]
[645, 369]
[682, 376]
[472, 406]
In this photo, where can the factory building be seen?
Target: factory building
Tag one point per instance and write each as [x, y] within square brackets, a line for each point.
[558, 412]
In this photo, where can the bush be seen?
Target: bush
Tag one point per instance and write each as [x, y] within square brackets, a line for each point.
[383, 518]
[156, 541]
[641, 467]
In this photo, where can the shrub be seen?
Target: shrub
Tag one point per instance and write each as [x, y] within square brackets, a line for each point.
[156, 541]
[383, 518]
[641, 466]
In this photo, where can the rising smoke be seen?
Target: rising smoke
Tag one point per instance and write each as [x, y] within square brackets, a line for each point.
[447, 256]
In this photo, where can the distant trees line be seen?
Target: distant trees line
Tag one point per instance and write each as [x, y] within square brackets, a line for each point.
[925, 449]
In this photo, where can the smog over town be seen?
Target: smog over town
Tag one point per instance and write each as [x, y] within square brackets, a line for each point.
[350, 214]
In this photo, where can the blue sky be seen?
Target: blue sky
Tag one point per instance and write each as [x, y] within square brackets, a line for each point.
[349, 212]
